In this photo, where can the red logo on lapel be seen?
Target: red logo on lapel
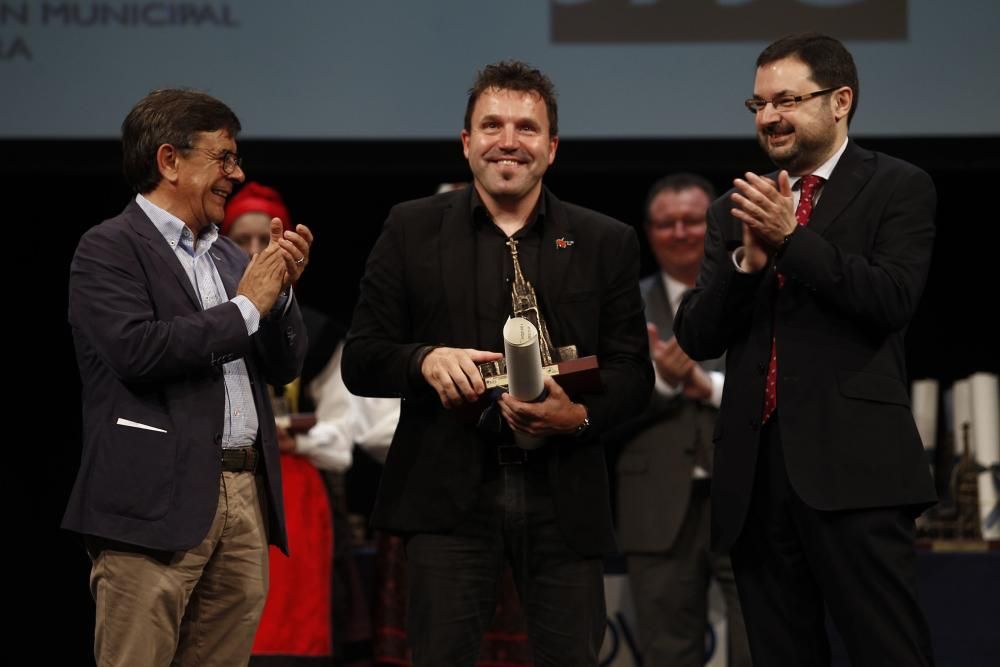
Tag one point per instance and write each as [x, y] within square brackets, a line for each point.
[562, 243]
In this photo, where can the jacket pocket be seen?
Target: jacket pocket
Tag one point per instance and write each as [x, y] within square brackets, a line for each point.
[135, 468]
[872, 387]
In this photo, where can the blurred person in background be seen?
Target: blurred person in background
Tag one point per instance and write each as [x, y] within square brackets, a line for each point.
[315, 602]
[664, 470]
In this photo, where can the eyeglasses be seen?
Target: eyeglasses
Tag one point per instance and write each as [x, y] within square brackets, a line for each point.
[228, 159]
[672, 225]
[784, 102]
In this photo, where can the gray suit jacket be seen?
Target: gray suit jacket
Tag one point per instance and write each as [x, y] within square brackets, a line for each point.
[658, 455]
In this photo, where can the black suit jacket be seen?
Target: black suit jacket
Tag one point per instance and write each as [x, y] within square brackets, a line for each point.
[418, 290]
[148, 353]
[854, 277]
[657, 458]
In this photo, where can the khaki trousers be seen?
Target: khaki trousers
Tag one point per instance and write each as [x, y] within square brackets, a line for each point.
[198, 607]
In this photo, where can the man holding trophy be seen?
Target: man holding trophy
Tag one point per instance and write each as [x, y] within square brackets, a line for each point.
[440, 285]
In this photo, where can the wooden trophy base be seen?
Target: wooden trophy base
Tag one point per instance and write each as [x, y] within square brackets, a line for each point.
[575, 376]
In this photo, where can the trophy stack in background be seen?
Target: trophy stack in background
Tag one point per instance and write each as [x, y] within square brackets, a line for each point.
[963, 449]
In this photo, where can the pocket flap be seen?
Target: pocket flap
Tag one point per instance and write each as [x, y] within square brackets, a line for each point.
[873, 387]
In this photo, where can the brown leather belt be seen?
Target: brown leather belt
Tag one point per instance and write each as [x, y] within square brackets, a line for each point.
[242, 459]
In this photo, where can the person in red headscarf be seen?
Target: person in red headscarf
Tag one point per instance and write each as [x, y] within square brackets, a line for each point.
[296, 619]
[315, 607]
[249, 214]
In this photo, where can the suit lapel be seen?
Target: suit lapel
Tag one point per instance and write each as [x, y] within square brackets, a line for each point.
[458, 269]
[557, 251]
[854, 169]
[225, 266]
[658, 307]
[659, 312]
[143, 226]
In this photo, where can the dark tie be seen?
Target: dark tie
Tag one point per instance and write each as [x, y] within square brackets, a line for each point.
[802, 213]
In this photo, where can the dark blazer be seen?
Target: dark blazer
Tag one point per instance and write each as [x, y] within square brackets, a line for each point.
[657, 458]
[148, 353]
[418, 290]
[854, 277]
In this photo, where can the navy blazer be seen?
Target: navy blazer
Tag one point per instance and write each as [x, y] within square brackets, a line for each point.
[149, 354]
[419, 290]
[853, 278]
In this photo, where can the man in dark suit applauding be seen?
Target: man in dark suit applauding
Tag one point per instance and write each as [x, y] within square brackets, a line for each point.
[177, 337]
[436, 293]
[665, 465]
[810, 278]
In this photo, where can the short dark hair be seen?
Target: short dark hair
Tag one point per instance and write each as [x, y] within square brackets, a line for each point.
[168, 116]
[675, 183]
[831, 63]
[514, 75]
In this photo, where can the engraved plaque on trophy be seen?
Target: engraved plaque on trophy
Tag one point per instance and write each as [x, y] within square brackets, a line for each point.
[574, 374]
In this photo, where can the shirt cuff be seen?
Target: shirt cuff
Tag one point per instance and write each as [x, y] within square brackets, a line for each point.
[664, 388]
[251, 316]
[715, 399]
[718, 381]
[737, 256]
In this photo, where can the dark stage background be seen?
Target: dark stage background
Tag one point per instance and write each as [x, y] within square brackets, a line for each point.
[55, 190]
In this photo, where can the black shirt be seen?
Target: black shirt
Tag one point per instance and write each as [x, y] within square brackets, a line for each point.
[495, 268]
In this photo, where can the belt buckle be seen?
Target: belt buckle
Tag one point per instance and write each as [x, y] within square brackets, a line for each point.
[511, 455]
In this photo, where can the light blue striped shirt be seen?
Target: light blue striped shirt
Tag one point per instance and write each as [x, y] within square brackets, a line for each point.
[240, 423]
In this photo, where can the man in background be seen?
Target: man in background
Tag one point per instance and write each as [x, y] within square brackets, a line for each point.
[665, 465]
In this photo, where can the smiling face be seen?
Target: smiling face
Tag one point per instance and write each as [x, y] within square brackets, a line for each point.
[802, 138]
[202, 187]
[508, 145]
[675, 227]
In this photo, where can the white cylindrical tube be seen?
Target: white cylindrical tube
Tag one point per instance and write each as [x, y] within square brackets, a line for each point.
[524, 369]
[961, 415]
[924, 403]
[985, 402]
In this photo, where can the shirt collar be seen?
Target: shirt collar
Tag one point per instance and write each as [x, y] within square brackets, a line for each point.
[675, 290]
[824, 170]
[174, 230]
[481, 214]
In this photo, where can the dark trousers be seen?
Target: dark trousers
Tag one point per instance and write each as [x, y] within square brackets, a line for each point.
[453, 578]
[670, 593]
[791, 560]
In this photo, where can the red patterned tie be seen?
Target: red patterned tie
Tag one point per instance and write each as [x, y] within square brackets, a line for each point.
[802, 212]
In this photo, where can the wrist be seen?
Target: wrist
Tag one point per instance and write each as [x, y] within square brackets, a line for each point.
[779, 251]
[699, 387]
[417, 361]
[253, 302]
[583, 423]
